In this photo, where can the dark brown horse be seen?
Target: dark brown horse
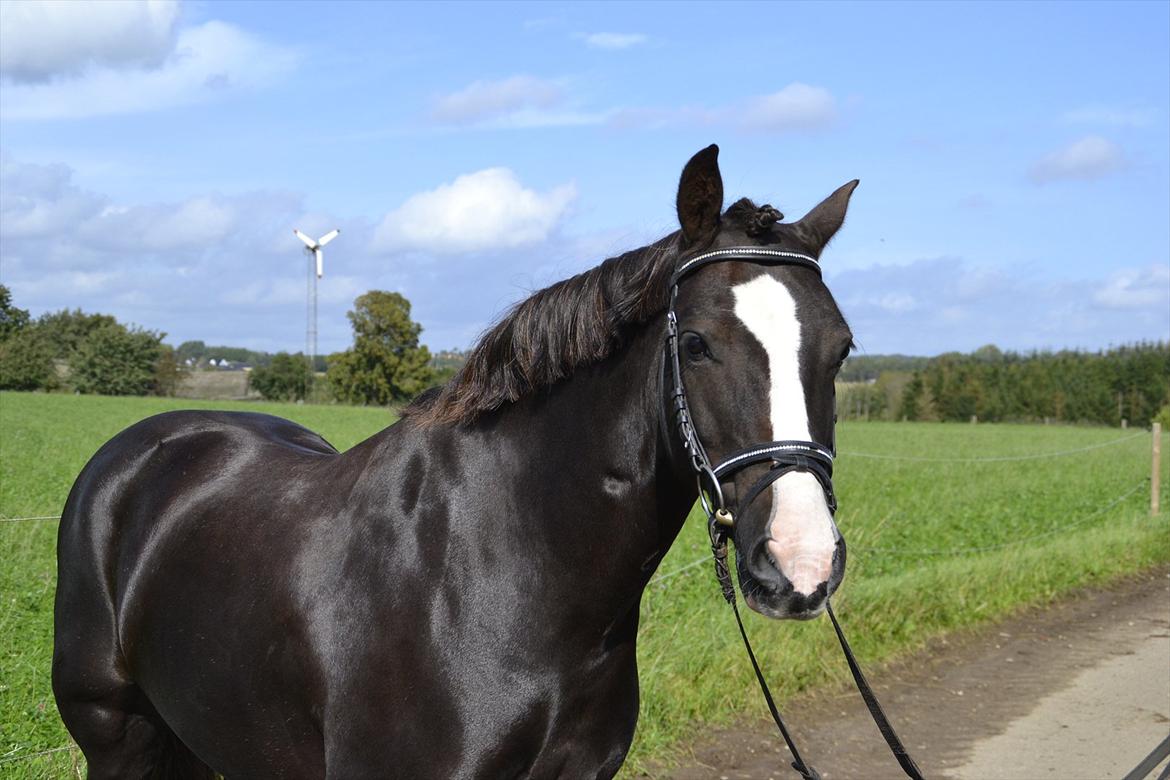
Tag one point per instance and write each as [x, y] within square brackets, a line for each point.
[458, 595]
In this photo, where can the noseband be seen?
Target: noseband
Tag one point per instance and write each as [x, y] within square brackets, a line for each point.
[784, 457]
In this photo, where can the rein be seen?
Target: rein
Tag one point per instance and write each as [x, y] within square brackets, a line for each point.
[785, 457]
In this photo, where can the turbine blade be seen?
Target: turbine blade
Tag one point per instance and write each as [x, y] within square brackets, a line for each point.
[320, 262]
[310, 243]
[325, 239]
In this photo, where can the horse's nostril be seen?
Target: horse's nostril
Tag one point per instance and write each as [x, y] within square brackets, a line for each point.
[809, 602]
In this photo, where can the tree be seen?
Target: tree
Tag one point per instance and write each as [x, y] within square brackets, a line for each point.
[286, 378]
[386, 363]
[65, 330]
[116, 360]
[168, 374]
[12, 319]
[26, 362]
[191, 350]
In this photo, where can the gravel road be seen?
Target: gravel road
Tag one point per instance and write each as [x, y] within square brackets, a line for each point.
[1077, 690]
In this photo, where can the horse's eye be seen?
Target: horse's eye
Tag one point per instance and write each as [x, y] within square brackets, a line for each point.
[694, 346]
[844, 356]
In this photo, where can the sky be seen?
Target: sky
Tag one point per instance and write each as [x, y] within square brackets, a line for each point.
[155, 157]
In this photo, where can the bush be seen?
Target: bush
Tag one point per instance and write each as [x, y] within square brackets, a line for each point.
[116, 360]
[286, 378]
[66, 330]
[12, 319]
[168, 374]
[26, 362]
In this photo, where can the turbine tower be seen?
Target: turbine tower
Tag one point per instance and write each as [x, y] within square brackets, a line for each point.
[316, 271]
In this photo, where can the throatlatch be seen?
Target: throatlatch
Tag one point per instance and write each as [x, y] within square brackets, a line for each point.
[785, 457]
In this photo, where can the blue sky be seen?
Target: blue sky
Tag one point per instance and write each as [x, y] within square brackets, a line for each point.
[154, 158]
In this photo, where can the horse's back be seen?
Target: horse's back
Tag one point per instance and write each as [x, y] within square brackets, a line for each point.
[166, 467]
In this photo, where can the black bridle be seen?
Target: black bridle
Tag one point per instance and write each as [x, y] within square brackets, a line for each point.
[784, 457]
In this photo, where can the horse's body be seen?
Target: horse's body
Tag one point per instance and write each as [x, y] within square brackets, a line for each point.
[442, 600]
[378, 611]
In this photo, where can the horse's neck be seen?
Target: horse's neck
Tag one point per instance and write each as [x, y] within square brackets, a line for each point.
[607, 478]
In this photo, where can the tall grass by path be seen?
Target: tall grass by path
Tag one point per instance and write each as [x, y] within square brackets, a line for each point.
[691, 665]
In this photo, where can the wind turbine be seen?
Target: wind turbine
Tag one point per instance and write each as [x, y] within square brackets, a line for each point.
[317, 263]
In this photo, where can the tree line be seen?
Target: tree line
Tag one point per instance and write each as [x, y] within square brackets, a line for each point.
[1129, 383]
[71, 350]
[1123, 383]
[93, 353]
[86, 353]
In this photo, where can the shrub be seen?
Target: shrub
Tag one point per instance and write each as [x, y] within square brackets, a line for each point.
[116, 360]
[286, 378]
[26, 362]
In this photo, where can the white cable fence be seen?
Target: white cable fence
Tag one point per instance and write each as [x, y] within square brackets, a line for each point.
[9, 759]
[996, 459]
[1084, 520]
[25, 519]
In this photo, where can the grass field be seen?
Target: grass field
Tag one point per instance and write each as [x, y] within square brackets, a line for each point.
[936, 544]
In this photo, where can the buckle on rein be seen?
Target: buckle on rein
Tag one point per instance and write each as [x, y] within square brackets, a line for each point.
[711, 498]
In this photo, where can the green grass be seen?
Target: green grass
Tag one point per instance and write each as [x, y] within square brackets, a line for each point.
[692, 667]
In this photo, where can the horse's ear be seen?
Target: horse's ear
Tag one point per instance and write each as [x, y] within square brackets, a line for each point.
[818, 226]
[700, 197]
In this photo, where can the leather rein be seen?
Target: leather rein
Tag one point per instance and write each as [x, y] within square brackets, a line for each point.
[784, 457]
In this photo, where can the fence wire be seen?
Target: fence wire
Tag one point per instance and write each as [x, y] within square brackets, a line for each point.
[996, 459]
[1019, 540]
[38, 754]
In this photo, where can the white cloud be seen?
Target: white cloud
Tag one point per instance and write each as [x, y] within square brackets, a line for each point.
[72, 284]
[207, 61]
[1136, 288]
[332, 289]
[202, 221]
[612, 40]
[486, 210]
[796, 107]
[530, 102]
[45, 39]
[946, 303]
[1109, 115]
[482, 100]
[41, 200]
[897, 302]
[1091, 157]
[48, 219]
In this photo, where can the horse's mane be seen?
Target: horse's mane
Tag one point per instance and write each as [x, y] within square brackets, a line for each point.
[572, 323]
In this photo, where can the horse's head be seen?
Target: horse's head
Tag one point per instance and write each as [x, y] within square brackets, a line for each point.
[759, 348]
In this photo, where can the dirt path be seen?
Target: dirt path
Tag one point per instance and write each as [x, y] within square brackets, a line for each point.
[1077, 690]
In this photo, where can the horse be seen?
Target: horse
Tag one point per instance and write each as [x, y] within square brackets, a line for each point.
[458, 595]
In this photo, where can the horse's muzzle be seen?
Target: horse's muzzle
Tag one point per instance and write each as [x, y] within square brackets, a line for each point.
[769, 591]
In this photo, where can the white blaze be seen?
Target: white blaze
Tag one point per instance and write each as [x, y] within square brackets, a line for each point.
[801, 529]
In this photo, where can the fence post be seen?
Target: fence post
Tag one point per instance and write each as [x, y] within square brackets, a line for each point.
[1156, 474]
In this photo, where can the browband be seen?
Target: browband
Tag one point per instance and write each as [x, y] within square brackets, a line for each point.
[755, 254]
